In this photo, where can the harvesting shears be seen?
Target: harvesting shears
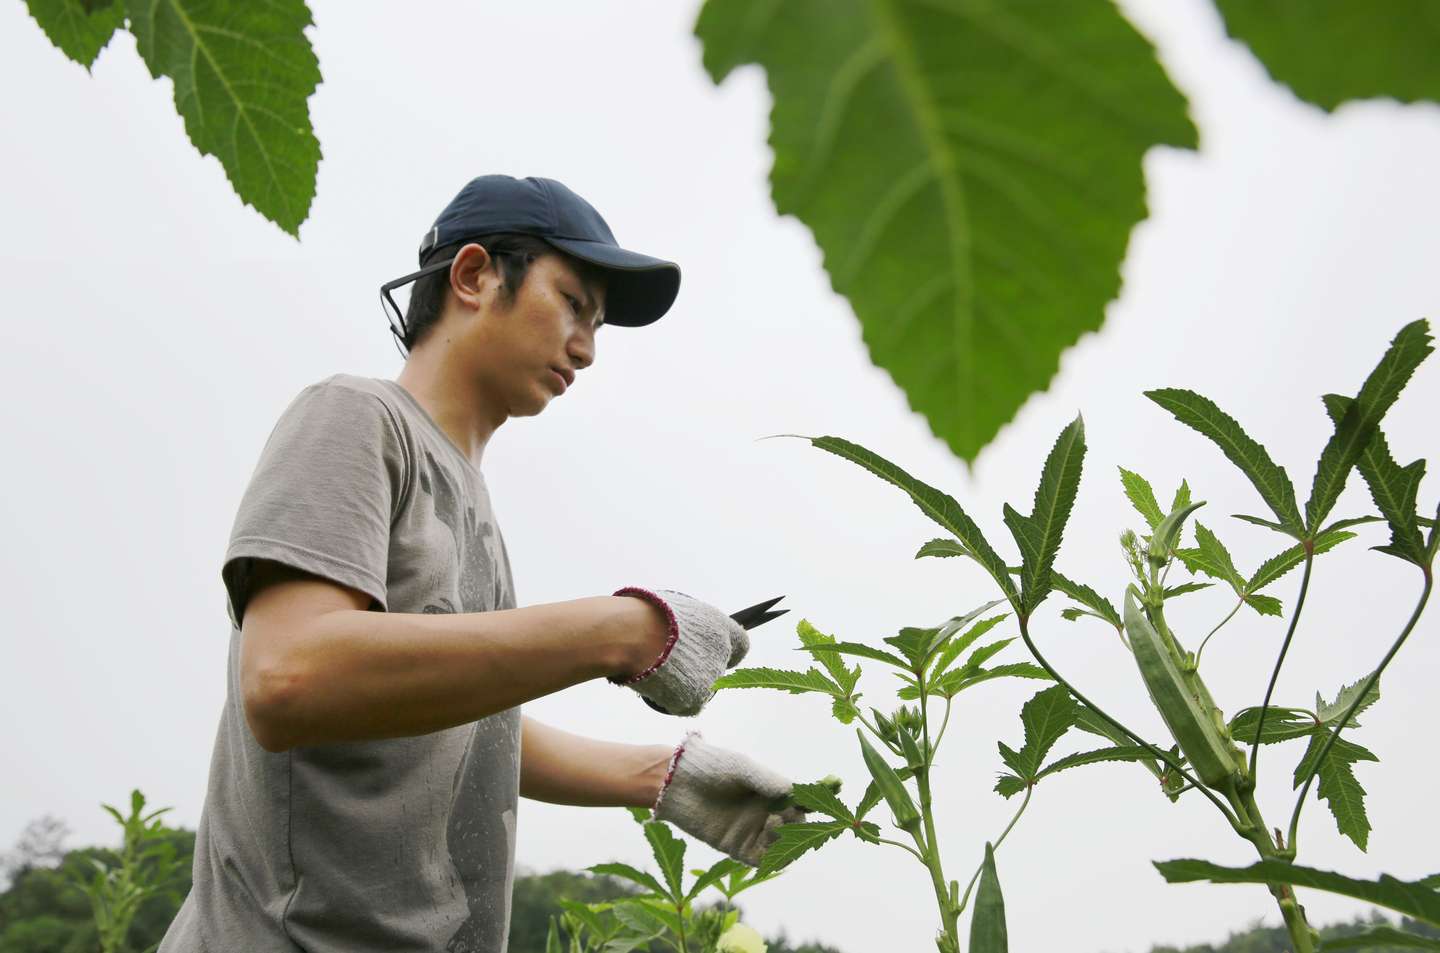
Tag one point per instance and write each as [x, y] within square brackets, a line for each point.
[749, 617]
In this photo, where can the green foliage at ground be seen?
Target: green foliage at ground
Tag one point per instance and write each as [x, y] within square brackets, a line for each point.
[1263, 939]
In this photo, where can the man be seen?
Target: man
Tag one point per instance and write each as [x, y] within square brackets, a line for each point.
[363, 787]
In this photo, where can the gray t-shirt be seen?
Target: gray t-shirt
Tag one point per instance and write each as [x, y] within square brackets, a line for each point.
[402, 844]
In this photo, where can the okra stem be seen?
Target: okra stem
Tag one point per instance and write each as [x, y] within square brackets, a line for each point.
[998, 841]
[1280, 659]
[1350, 712]
[1206, 641]
[948, 914]
[1154, 751]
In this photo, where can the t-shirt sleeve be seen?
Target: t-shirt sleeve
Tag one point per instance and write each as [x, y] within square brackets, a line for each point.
[323, 496]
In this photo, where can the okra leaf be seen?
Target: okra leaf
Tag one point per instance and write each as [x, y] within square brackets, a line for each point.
[796, 839]
[1141, 496]
[812, 638]
[939, 506]
[1182, 497]
[1189, 587]
[1277, 566]
[1392, 487]
[1046, 716]
[583, 912]
[1330, 713]
[1087, 597]
[626, 872]
[1281, 724]
[1098, 756]
[1202, 414]
[956, 646]
[1412, 899]
[821, 797]
[943, 547]
[1387, 937]
[650, 920]
[844, 710]
[1357, 425]
[1008, 785]
[914, 643]
[1212, 558]
[1265, 605]
[1268, 524]
[811, 680]
[987, 928]
[856, 648]
[78, 28]
[1352, 521]
[1039, 534]
[669, 852]
[640, 814]
[952, 684]
[980, 656]
[1338, 787]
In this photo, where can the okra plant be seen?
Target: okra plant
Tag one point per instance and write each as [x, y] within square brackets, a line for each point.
[664, 911]
[1208, 755]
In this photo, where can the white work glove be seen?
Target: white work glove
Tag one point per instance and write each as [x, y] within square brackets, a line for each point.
[725, 799]
[703, 643]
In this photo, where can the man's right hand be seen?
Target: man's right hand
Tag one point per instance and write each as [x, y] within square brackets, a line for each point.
[701, 643]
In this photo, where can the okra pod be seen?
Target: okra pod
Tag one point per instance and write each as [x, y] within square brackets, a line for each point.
[907, 816]
[1212, 757]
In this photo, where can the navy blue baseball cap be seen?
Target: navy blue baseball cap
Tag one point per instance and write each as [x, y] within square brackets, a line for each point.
[639, 288]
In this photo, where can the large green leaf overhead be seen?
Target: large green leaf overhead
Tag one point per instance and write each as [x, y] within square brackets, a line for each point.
[971, 171]
[80, 28]
[243, 74]
[1329, 51]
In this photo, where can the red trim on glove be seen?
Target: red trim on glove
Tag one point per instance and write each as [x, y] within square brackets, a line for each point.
[653, 599]
[670, 774]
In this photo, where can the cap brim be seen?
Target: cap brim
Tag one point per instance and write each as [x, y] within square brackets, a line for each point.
[639, 290]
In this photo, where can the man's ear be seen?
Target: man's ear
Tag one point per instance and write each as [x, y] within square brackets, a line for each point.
[471, 277]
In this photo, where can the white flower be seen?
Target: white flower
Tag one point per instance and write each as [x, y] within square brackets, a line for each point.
[740, 939]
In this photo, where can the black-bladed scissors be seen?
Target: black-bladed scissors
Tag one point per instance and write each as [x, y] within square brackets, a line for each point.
[749, 617]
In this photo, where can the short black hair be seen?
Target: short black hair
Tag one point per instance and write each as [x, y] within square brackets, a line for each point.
[511, 254]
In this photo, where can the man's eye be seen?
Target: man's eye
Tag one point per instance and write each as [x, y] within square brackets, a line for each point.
[574, 303]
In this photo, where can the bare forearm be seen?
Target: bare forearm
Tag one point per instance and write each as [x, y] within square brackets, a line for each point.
[355, 675]
[563, 768]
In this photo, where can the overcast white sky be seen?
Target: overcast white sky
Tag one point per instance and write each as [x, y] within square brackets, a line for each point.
[156, 328]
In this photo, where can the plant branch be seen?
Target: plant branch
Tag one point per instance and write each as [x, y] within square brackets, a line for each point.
[1029, 789]
[894, 749]
[944, 723]
[1350, 712]
[1206, 640]
[1154, 751]
[1280, 659]
[902, 846]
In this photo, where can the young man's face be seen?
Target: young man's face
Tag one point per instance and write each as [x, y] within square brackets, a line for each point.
[527, 352]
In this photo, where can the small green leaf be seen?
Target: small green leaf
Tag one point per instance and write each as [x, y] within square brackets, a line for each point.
[844, 710]
[641, 814]
[954, 648]
[795, 839]
[80, 30]
[943, 547]
[821, 797]
[857, 648]
[1098, 756]
[953, 683]
[987, 929]
[1087, 597]
[812, 638]
[1268, 524]
[1039, 534]
[1182, 497]
[1330, 712]
[1212, 558]
[1008, 785]
[1173, 591]
[1393, 488]
[794, 682]
[1277, 566]
[1202, 415]
[626, 872]
[669, 852]
[1140, 494]
[1338, 786]
[243, 74]
[937, 505]
[712, 877]
[1412, 899]
[1387, 937]
[1281, 724]
[1265, 605]
[1046, 716]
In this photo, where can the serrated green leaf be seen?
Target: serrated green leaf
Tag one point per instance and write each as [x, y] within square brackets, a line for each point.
[1269, 478]
[1182, 497]
[1357, 425]
[669, 852]
[1087, 597]
[943, 547]
[1268, 524]
[1265, 605]
[1141, 496]
[1411, 899]
[844, 710]
[914, 643]
[1387, 937]
[954, 682]
[1008, 785]
[1097, 756]
[714, 875]
[1393, 488]
[1039, 534]
[1046, 716]
[1278, 565]
[243, 74]
[1281, 724]
[1213, 559]
[640, 814]
[975, 234]
[645, 918]
[1330, 713]
[988, 933]
[1330, 51]
[811, 680]
[79, 30]
[939, 506]
[1338, 786]
[812, 638]
[859, 649]
[957, 646]
[795, 839]
[626, 872]
[584, 913]
[1173, 591]
[820, 797]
